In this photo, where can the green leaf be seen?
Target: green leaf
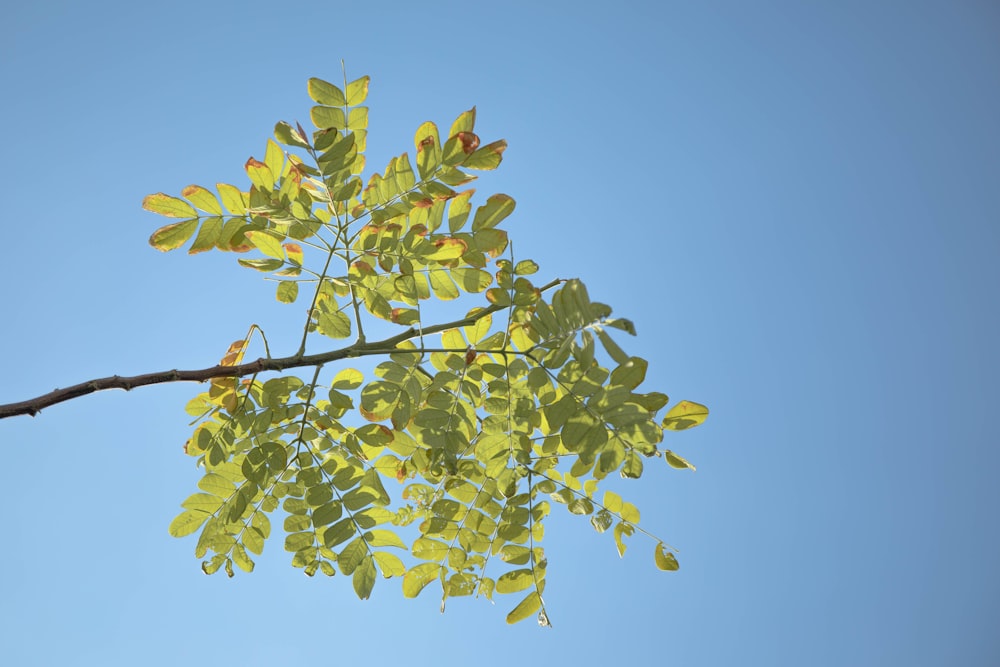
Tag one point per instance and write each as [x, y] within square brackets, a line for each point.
[288, 291]
[232, 198]
[622, 530]
[525, 609]
[364, 578]
[334, 324]
[630, 374]
[326, 93]
[389, 563]
[417, 578]
[384, 538]
[677, 461]
[486, 157]
[348, 378]
[267, 244]
[204, 502]
[514, 581]
[425, 548]
[664, 559]
[202, 198]
[357, 91]
[493, 212]
[216, 484]
[208, 235]
[685, 415]
[187, 522]
[173, 236]
[171, 207]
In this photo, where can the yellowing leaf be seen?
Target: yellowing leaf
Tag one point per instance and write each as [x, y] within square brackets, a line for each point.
[172, 207]
[664, 559]
[173, 236]
[326, 93]
[202, 198]
[266, 243]
[684, 415]
[357, 91]
[493, 212]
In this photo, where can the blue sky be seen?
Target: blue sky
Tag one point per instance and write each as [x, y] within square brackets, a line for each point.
[797, 204]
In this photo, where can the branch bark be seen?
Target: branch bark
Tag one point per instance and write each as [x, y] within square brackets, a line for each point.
[387, 346]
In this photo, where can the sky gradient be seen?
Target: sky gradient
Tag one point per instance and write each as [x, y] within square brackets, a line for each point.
[798, 204]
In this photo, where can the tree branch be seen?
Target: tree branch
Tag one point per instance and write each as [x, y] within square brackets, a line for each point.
[387, 346]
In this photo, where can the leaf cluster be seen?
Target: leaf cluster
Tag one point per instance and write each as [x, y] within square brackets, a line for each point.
[442, 465]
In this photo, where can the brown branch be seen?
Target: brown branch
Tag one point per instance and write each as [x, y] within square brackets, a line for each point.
[35, 405]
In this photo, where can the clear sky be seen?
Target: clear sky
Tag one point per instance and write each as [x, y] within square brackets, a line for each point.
[797, 203]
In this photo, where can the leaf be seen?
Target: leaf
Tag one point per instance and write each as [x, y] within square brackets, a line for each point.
[676, 461]
[348, 378]
[514, 581]
[685, 415]
[173, 236]
[232, 198]
[417, 578]
[384, 538]
[493, 212]
[425, 548]
[389, 563]
[202, 198]
[357, 91]
[288, 291]
[267, 244]
[171, 207]
[364, 578]
[326, 93]
[486, 157]
[525, 609]
[187, 522]
[622, 530]
[665, 560]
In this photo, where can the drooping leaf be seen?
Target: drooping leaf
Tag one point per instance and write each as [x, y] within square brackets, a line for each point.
[525, 609]
[665, 560]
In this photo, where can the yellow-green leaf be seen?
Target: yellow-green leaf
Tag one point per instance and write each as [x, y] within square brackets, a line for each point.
[172, 207]
[288, 291]
[527, 608]
[514, 581]
[266, 243]
[364, 578]
[357, 91]
[417, 578]
[202, 198]
[187, 522]
[684, 415]
[326, 93]
[664, 559]
[493, 212]
[173, 236]
[676, 461]
[348, 379]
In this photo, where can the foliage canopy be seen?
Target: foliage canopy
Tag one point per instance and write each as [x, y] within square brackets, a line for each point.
[465, 432]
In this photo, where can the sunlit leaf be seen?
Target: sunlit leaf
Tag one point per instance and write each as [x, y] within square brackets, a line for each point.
[684, 415]
[676, 461]
[525, 609]
[173, 236]
[665, 560]
[172, 207]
